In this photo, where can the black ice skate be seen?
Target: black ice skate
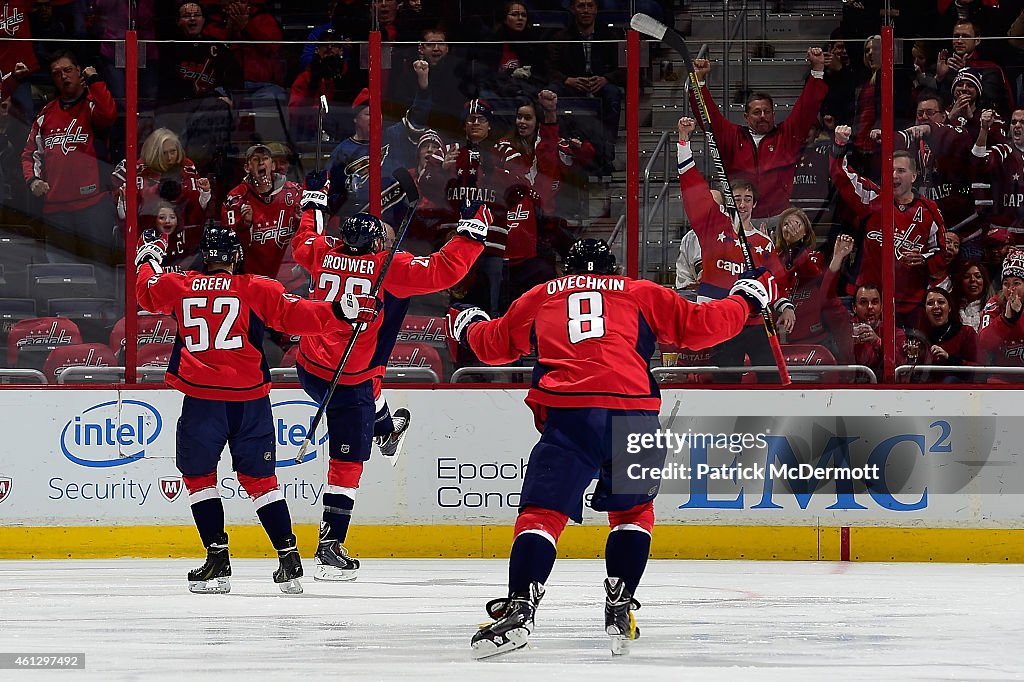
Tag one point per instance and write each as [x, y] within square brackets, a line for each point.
[619, 622]
[333, 563]
[288, 573]
[212, 577]
[512, 626]
[391, 445]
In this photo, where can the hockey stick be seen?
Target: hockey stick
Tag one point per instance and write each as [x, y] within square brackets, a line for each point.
[652, 27]
[321, 110]
[404, 179]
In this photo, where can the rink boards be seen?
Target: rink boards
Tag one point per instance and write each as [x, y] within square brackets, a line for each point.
[90, 473]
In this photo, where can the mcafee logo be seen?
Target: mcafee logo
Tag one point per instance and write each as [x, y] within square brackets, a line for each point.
[5, 488]
[170, 487]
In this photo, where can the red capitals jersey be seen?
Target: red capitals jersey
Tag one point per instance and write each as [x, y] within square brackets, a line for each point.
[1001, 343]
[62, 149]
[1002, 174]
[334, 271]
[917, 226]
[594, 335]
[275, 217]
[18, 33]
[190, 205]
[721, 255]
[218, 352]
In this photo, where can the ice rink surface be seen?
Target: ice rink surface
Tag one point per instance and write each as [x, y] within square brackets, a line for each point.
[412, 619]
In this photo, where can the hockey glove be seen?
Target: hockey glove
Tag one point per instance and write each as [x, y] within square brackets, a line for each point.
[355, 308]
[460, 317]
[315, 194]
[757, 287]
[476, 219]
[152, 250]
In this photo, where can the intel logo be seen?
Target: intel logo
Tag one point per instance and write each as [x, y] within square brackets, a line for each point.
[292, 419]
[101, 437]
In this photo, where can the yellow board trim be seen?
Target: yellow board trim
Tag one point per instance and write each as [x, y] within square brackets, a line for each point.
[577, 542]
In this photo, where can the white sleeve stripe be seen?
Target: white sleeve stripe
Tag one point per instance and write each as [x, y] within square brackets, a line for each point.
[866, 194]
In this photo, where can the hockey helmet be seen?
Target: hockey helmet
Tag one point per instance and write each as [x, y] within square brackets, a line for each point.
[220, 244]
[590, 256]
[363, 233]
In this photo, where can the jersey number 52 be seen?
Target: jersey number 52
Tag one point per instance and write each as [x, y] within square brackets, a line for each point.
[194, 320]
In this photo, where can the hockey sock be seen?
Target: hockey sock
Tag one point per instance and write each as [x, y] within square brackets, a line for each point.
[271, 508]
[382, 423]
[534, 549]
[340, 497]
[629, 544]
[533, 557]
[625, 556]
[207, 509]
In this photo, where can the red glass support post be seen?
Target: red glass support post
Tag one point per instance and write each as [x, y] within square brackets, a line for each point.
[633, 154]
[131, 239]
[888, 214]
[376, 130]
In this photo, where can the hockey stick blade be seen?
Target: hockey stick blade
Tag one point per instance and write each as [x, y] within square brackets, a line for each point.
[648, 25]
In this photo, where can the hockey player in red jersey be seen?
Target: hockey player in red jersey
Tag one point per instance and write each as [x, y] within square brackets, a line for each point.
[594, 332]
[920, 233]
[264, 210]
[218, 363]
[722, 257]
[352, 264]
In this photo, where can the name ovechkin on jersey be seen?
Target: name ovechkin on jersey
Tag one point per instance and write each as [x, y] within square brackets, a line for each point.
[584, 282]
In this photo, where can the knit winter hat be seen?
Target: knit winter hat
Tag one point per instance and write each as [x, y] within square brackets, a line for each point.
[430, 136]
[478, 106]
[971, 76]
[362, 100]
[1013, 264]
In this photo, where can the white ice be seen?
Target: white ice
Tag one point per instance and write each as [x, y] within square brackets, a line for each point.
[412, 619]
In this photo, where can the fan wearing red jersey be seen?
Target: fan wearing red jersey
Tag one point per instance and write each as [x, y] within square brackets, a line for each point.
[722, 257]
[346, 265]
[264, 210]
[218, 363]
[920, 233]
[594, 332]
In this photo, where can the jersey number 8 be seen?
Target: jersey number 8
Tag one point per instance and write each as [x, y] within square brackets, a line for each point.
[586, 316]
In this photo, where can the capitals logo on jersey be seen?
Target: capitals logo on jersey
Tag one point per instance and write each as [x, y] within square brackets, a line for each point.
[10, 21]
[68, 139]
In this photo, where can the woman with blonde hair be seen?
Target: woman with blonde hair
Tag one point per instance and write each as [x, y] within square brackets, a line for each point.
[165, 174]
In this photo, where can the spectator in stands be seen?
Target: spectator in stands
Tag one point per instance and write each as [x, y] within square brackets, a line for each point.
[472, 170]
[255, 38]
[17, 58]
[165, 174]
[820, 316]
[717, 232]
[537, 151]
[45, 25]
[765, 153]
[349, 166]
[999, 173]
[971, 291]
[920, 244]
[995, 91]
[867, 331]
[284, 155]
[264, 210]
[578, 66]
[510, 63]
[965, 110]
[446, 87]
[196, 82]
[924, 68]
[331, 74]
[1001, 338]
[63, 165]
[946, 339]
[313, 40]
[942, 277]
[842, 78]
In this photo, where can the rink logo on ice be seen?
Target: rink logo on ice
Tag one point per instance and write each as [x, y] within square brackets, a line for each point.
[170, 487]
[292, 420]
[5, 487]
[111, 434]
